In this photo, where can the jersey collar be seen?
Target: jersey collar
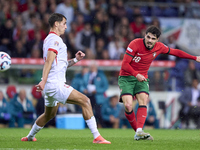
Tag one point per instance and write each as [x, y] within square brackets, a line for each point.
[52, 32]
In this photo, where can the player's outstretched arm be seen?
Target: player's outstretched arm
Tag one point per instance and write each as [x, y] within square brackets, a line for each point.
[181, 54]
[78, 56]
[198, 59]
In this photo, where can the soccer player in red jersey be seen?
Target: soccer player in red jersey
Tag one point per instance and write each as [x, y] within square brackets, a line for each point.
[133, 79]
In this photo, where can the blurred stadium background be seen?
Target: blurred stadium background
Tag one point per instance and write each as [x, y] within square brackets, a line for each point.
[113, 24]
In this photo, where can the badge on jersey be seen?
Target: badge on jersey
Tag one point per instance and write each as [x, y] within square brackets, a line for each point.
[56, 43]
[154, 54]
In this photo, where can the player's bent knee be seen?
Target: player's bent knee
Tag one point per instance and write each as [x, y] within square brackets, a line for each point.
[86, 102]
[128, 107]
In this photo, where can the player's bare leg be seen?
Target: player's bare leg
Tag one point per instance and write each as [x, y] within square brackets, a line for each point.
[129, 113]
[80, 99]
[141, 117]
[50, 112]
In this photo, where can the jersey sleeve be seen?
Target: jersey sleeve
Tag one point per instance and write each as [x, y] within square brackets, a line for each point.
[181, 54]
[127, 67]
[165, 48]
[131, 49]
[54, 45]
[130, 53]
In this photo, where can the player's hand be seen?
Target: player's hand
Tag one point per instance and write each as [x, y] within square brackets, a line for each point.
[94, 92]
[151, 119]
[189, 104]
[198, 59]
[85, 91]
[40, 86]
[140, 78]
[79, 55]
[112, 118]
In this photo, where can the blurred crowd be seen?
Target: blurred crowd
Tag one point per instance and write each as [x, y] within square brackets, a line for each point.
[100, 28]
[17, 110]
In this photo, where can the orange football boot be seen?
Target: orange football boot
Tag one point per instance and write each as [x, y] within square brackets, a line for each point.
[101, 140]
[26, 139]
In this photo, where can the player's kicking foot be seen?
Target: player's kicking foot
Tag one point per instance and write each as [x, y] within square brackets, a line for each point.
[26, 139]
[101, 140]
[141, 135]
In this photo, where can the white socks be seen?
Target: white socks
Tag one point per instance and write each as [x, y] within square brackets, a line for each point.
[92, 125]
[35, 129]
[139, 129]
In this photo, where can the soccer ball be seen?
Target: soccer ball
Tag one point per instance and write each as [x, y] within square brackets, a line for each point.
[5, 61]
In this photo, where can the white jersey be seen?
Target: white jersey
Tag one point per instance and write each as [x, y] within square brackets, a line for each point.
[53, 42]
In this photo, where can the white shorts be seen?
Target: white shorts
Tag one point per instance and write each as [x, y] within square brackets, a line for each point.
[56, 93]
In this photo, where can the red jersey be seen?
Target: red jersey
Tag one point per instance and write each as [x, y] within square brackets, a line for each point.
[138, 58]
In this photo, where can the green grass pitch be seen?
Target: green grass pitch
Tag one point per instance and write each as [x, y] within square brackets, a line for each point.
[122, 139]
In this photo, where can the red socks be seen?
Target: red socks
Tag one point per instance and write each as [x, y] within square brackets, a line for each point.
[141, 116]
[131, 118]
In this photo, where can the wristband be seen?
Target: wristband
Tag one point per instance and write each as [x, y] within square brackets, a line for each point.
[75, 60]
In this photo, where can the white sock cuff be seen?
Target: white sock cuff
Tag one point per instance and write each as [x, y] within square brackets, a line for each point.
[38, 127]
[92, 125]
[139, 129]
[90, 120]
[34, 130]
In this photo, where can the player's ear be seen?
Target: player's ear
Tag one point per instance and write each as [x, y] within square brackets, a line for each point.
[56, 23]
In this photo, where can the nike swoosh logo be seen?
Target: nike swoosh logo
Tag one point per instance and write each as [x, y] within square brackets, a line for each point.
[143, 116]
[132, 120]
[140, 54]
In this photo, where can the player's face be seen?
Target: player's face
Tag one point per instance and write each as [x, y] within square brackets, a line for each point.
[150, 40]
[62, 26]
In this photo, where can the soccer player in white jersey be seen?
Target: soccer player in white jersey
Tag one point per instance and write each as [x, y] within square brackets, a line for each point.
[53, 81]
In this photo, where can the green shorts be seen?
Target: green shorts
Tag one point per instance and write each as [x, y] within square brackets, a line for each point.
[129, 85]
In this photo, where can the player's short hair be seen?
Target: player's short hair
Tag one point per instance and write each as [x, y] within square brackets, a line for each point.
[55, 17]
[154, 30]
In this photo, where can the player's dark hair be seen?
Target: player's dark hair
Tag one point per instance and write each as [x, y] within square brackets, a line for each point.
[154, 30]
[55, 17]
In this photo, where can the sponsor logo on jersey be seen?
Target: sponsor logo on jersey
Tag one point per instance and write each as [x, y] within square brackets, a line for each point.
[56, 43]
[140, 54]
[129, 49]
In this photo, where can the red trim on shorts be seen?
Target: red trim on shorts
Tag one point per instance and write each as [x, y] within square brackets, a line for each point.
[67, 86]
[142, 92]
[134, 98]
[55, 51]
[120, 99]
[56, 60]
